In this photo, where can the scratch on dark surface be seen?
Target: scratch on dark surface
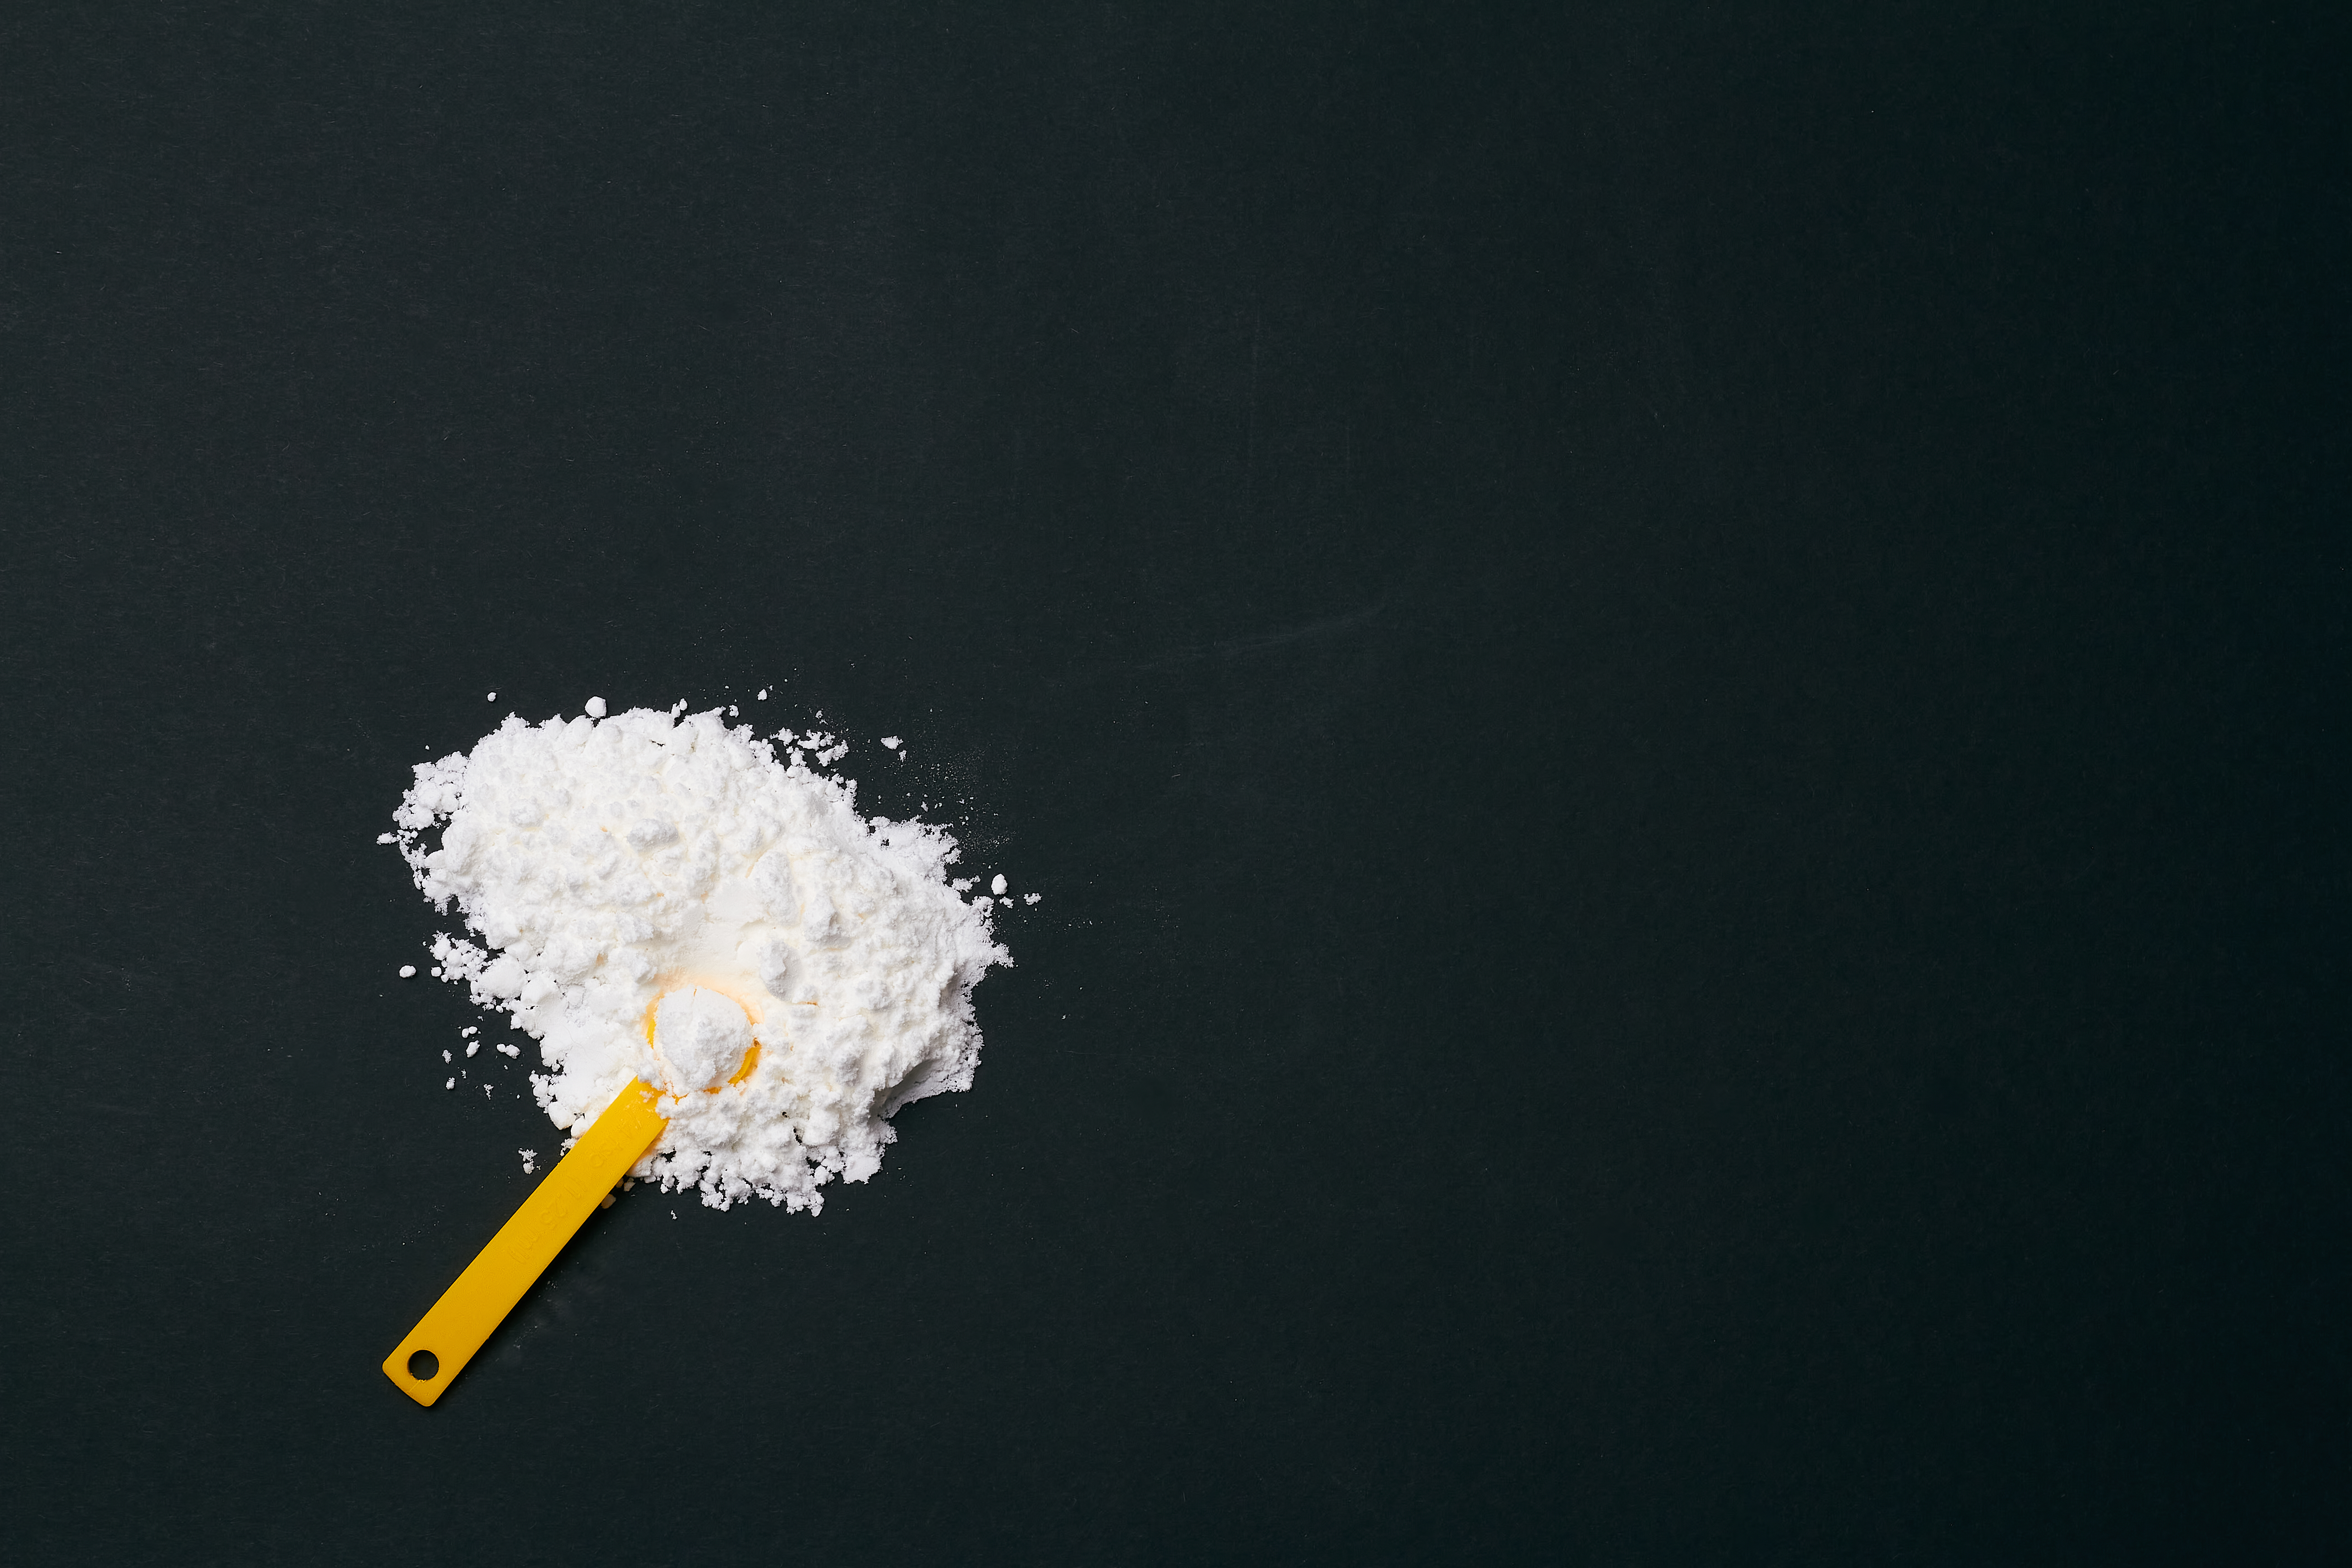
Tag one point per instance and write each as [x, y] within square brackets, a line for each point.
[375, 745]
[1266, 642]
[130, 979]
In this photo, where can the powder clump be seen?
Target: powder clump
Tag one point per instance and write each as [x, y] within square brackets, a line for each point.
[660, 897]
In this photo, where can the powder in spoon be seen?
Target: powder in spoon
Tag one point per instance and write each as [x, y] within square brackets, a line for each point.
[653, 894]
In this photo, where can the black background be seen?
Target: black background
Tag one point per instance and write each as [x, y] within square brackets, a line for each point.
[1674, 678]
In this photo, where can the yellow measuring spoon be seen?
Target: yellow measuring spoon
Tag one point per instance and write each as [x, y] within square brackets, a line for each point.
[444, 1340]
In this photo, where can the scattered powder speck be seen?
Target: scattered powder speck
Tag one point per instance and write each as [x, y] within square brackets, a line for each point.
[996, 886]
[660, 896]
[893, 742]
[408, 971]
[595, 705]
[493, 697]
[529, 1155]
[763, 694]
[451, 1084]
[1031, 898]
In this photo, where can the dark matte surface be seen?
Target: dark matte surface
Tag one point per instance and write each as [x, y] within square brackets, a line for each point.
[1677, 683]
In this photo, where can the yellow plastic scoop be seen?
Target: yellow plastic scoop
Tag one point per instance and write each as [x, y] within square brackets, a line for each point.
[447, 1337]
[422, 1365]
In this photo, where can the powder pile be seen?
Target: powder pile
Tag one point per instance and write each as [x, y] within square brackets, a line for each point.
[666, 898]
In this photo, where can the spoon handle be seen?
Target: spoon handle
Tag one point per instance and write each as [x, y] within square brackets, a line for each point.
[486, 1291]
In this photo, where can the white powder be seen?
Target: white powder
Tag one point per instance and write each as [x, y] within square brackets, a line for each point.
[700, 1037]
[663, 898]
